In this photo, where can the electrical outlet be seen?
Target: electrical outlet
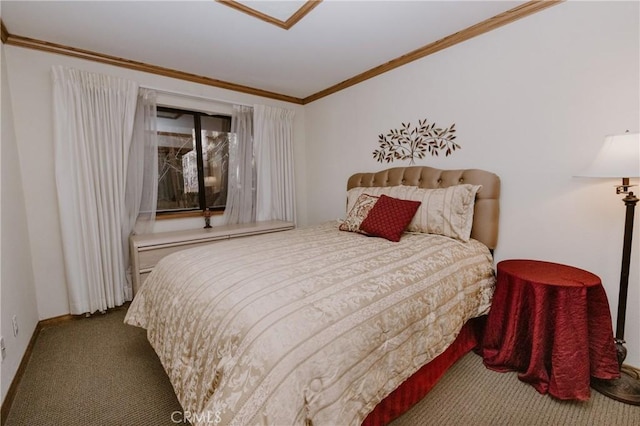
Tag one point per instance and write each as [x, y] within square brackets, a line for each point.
[3, 349]
[14, 321]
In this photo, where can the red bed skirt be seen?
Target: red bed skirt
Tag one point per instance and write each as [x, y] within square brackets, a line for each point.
[417, 386]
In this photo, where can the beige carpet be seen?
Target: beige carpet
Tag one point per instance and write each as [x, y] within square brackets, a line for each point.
[98, 371]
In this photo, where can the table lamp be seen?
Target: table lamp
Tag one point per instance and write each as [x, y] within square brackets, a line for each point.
[619, 157]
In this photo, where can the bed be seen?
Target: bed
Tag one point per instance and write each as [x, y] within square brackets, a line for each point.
[319, 325]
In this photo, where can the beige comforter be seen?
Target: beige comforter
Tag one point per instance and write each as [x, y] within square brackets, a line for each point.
[309, 326]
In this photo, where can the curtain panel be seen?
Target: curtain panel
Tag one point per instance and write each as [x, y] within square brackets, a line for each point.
[273, 144]
[93, 127]
[142, 172]
[241, 189]
[142, 178]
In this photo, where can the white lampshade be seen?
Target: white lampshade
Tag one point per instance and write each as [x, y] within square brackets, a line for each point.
[619, 157]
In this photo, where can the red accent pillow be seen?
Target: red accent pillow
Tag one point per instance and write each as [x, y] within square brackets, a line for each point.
[389, 217]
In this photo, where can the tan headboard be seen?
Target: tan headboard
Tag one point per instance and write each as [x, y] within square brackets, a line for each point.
[487, 205]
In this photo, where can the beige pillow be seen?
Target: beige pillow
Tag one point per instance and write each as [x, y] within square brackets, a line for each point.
[358, 213]
[399, 191]
[444, 211]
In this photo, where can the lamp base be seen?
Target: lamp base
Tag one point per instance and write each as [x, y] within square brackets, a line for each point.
[625, 389]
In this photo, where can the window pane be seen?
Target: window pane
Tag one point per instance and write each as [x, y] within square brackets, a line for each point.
[178, 146]
[215, 153]
[177, 163]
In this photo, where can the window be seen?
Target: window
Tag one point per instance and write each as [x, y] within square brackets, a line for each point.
[193, 153]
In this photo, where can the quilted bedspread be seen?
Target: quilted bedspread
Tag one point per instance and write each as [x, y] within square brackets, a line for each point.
[312, 326]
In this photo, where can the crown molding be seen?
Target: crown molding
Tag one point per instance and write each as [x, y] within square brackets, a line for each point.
[293, 19]
[46, 46]
[485, 26]
[4, 34]
[480, 28]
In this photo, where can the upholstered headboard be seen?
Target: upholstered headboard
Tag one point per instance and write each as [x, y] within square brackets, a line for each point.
[487, 206]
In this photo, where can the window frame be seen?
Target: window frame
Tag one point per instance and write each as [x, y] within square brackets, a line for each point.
[197, 129]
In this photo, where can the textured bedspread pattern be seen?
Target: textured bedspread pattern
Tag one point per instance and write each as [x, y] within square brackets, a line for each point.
[312, 326]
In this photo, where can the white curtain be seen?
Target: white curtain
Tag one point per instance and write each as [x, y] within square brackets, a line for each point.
[241, 195]
[142, 178]
[142, 175]
[93, 126]
[273, 144]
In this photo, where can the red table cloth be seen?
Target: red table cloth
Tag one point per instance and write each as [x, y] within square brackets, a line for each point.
[551, 323]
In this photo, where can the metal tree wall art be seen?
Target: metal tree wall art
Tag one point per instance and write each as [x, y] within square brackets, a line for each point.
[408, 144]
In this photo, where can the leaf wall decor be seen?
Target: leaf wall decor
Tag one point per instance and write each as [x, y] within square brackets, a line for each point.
[409, 143]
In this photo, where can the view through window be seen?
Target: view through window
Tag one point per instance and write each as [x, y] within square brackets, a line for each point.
[193, 154]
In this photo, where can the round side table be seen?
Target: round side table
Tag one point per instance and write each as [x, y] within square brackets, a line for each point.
[551, 323]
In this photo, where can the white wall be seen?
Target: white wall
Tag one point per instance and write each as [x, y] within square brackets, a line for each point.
[532, 102]
[31, 97]
[17, 292]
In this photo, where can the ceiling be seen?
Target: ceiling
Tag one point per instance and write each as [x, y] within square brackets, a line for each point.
[336, 44]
